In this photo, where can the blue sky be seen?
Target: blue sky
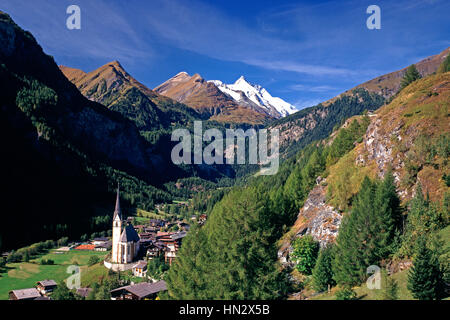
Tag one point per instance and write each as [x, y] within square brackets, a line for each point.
[302, 51]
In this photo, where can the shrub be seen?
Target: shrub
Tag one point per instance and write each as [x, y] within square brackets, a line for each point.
[305, 252]
[346, 294]
[93, 260]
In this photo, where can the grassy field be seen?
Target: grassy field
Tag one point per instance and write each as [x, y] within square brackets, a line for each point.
[364, 293]
[150, 215]
[26, 274]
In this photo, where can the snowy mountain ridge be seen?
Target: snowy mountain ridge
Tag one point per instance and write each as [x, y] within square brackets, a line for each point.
[258, 95]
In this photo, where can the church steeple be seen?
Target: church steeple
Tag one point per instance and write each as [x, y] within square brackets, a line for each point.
[117, 211]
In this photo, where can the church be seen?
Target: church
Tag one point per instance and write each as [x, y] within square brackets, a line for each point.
[125, 241]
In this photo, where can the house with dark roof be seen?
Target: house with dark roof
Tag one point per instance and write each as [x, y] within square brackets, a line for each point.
[46, 286]
[140, 291]
[103, 246]
[24, 294]
[100, 240]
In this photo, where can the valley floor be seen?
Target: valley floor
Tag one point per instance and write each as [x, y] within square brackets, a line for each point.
[25, 274]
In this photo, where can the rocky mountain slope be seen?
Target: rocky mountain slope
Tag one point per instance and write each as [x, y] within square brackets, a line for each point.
[388, 85]
[93, 128]
[208, 99]
[410, 136]
[314, 123]
[116, 89]
[61, 150]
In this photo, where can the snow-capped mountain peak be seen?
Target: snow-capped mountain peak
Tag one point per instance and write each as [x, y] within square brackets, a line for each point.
[274, 106]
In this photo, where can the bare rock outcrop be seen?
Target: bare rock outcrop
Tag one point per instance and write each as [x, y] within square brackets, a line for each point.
[316, 218]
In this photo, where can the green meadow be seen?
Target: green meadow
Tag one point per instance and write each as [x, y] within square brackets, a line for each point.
[25, 274]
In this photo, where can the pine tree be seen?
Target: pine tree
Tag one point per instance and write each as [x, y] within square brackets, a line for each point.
[368, 234]
[445, 65]
[233, 256]
[390, 291]
[410, 76]
[388, 216]
[323, 273]
[425, 278]
[355, 242]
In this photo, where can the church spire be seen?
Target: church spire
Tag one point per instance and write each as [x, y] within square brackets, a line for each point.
[117, 211]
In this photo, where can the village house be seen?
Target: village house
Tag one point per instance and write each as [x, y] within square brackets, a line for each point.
[140, 269]
[46, 286]
[155, 250]
[99, 241]
[104, 246]
[140, 291]
[24, 294]
[173, 244]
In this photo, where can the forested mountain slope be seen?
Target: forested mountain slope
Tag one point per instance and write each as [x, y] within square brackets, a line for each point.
[62, 151]
[410, 138]
[235, 254]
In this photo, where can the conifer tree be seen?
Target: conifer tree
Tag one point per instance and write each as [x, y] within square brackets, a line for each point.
[390, 290]
[355, 243]
[235, 257]
[322, 272]
[387, 214]
[445, 65]
[425, 278]
[368, 233]
[410, 76]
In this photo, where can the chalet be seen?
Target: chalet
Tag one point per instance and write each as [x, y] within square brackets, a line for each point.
[140, 291]
[24, 294]
[98, 241]
[140, 269]
[173, 244]
[46, 286]
[139, 228]
[151, 229]
[146, 235]
[104, 246]
[155, 249]
[157, 223]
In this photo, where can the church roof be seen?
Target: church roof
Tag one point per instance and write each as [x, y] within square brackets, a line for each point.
[129, 234]
[117, 211]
